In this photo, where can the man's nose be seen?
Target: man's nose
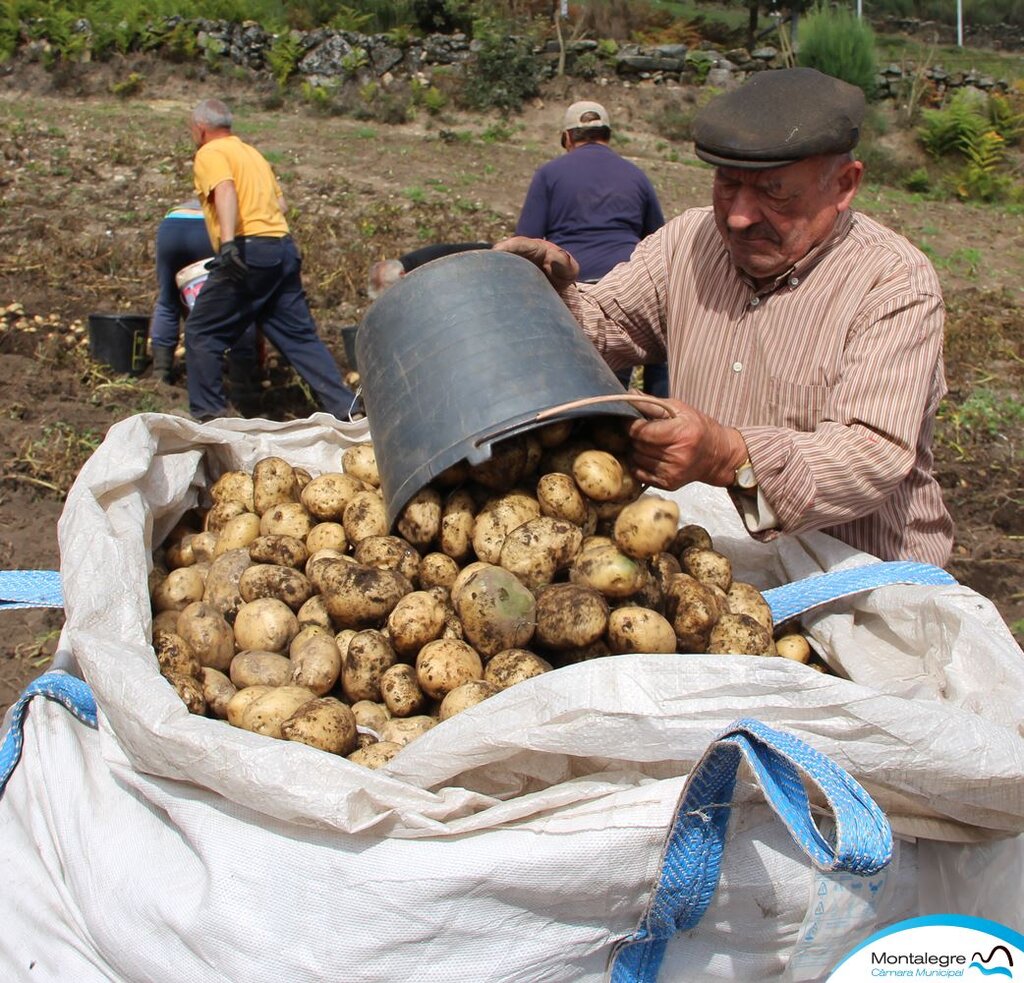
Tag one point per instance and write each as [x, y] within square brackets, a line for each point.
[744, 209]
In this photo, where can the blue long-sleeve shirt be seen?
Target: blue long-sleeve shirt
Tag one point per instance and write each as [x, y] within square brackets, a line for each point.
[593, 203]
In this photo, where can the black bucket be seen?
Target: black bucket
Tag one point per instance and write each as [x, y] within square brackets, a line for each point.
[463, 352]
[348, 339]
[119, 341]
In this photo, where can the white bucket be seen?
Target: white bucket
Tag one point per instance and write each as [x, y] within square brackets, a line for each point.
[190, 280]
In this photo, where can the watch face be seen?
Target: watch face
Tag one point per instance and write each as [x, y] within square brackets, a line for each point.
[745, 476]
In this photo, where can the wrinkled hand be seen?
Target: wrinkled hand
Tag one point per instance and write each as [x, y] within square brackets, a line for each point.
[553, 261]
[690, 446]
[229, 259]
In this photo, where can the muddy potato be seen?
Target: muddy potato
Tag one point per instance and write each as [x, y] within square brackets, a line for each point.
[505, 467]
[793, 646]
[375, 755]
[514, 666]
[539, 549]
[361, 462]
[368, 657]
[269, 580]
[221, 513]
[342, 639]
[314, 612]
[316, 664]
[273, 483]
[266, 624]
[560, 498]
[569, 616]
[610, 434]
[282, 551]
[221, 590]
[419, 522]
[554, 434]
[326, 535]
[237, 533]
[165, 621]
[691, 535]
[592, 541]
[286, 519]
[271, 709]
[647, 526]
[364, 739]
[234, 486]
[318, 561]
[189, 689]
[373, 716]
[497, 519]
[241, 701]
[258, 668]
[204, 546]
[609, 571]
[416, 619]
[639, 629]
[437, 570]
[464, 574]
[401, 692]
[739, 634]
[179, 554]
[707, 566]
[365, 516]
[458, 515]
[599, 475]
[324, 723]
[663, 566]
[465, 696]
[389, 553]
[326, 496]
[496, 610]
[453, 475]
[404, 730]
[305, 634]
[693, 611]
[585, 653]
[217, 692]
[358, 596]
[444, 664]
[746, 599]
[208, 633]
[178, 590]
[175, 654]
[558, 459]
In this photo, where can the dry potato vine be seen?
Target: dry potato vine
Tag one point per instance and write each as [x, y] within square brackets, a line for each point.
[287, 608]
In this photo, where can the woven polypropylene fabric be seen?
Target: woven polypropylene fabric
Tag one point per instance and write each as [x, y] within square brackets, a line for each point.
[30, 589]
[70, 691]
[801, 595]
[693, 855]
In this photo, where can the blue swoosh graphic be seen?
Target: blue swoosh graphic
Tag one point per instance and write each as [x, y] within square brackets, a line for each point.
[1000, 970]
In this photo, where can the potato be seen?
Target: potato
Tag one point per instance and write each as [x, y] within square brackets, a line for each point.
[316, 564]
[610, 433]
[270, 580]
[404, 730]
[689, 536]
[178, 590]
[324, 723]
[554, 434]
[416, 619]
[266, 624]
[286, 519]
[504, 468]
[497, 519]
[326, 535]
[793, 646]
[270, 710]
[443, 665]
[585, 653]
[464, 574]
[326, 496]
[258, 668]
[693, 611]
[569, 616]
[389, 553]
[647, 526]
[458, 515]
[189, 689]
[707, 566]
[316, 664]
[237, 533]
[357, 596]
[539, 549]
[496, 611]
[559, 459]
[599, 475]
[217, 692]
[307, 633]
[274, 483]
[370, 715]
[365, 516]
[465, 696]
[437, 570]
[453, 475]
[368, 657]
[221, 591]
[376, 755]
[241, 701]
[221, 513]
[165, 621]
[419, 522]
[514, 666]
[559, 497]
[361, 462]
[282, 551]
[638, 629]
[342, 640]
[740, 634]
[180, 554]
[204, 546]
[314, 612]
[401, 692]
[175, 655]
[234, 486]
[208, 634]
[746, 599]
[609, 571]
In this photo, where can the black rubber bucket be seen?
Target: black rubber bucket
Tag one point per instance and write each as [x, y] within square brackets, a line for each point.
[119, 341]
[348, 339]
[465, 351]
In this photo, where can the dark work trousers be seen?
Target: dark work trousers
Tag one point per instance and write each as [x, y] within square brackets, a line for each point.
[655, 379]
[271, 295]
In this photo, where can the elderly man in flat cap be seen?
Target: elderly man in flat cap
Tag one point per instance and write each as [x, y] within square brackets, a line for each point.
[804, 340]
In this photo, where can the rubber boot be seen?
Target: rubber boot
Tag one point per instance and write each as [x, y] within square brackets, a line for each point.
[163, 364]
[244, 383]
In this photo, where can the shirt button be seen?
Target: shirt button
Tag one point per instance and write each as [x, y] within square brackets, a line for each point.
[737, 366]
[794, 281]
[754, 301]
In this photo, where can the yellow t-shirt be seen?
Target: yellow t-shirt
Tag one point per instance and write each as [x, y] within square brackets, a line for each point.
[229, 159]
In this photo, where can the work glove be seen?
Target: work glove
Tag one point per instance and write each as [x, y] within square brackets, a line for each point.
[229, 259]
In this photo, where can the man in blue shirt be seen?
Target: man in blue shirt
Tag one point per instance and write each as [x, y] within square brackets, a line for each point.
[595, 204]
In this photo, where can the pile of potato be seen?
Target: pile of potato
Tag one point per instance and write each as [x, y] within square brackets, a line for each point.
[289, 608]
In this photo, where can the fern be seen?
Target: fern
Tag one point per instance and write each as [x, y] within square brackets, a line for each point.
[283, 57]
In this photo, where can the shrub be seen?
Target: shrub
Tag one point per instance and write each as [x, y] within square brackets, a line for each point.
[503, 74]
[838, 43]
[953, 129]
[283, 57]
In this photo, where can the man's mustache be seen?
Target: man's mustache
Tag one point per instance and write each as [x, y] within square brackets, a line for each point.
[761, 231]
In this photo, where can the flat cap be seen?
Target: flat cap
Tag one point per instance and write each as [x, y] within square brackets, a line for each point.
[779, 117]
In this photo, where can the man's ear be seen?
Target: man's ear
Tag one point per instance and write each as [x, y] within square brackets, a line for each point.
[848, 181]
[564, 140]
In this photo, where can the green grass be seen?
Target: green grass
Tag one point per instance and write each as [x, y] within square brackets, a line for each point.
[999, 64]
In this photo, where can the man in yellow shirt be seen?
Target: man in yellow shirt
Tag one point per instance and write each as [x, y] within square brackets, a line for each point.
[257, 275]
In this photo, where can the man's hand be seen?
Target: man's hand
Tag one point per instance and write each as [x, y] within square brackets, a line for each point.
[553, 261]
[671, 452]
[231, 262]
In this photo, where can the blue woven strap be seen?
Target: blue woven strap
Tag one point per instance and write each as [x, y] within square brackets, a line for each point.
[692, 860]
[68, 690]
[801, 595]
[30, 589]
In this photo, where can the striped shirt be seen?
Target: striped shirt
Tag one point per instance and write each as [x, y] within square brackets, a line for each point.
[832, 373]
